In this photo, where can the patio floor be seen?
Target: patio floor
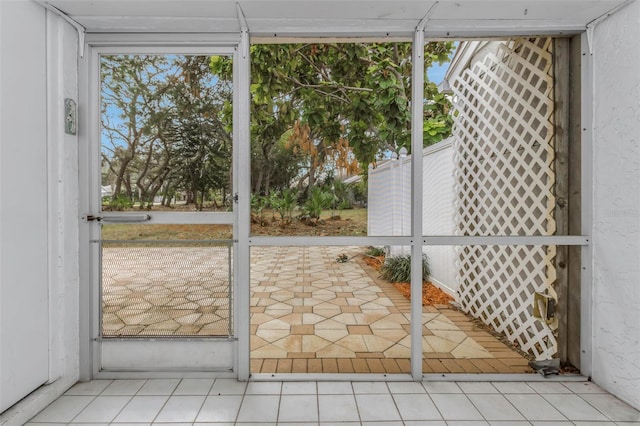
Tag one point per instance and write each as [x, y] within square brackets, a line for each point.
[311, 314]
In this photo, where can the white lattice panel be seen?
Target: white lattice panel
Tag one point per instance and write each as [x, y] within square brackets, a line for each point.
[504, 179]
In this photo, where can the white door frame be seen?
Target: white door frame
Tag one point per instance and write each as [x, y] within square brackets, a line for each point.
[220, 354]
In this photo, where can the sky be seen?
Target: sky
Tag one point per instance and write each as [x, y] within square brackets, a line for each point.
[436, 72]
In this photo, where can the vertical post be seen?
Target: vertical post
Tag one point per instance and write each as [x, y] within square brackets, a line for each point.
[230, 297]
[417, 111]
[586, 277]
[369, 186]
[561, 165]
[242, 209]
[575, 194]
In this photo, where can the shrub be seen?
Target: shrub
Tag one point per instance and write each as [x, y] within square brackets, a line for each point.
[359, 191]
[119, 203]
[375, 251]
[258, 204]
[398, 268]
[284, 202]
[318, 201]
[343, 196]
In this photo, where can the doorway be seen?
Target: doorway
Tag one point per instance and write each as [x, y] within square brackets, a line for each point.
[161, 185]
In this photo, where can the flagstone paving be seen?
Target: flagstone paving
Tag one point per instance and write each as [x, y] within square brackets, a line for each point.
[309, 313]
[312, 314]
[165, 291]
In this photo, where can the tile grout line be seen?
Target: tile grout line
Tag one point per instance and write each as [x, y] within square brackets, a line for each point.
[100, 394]
[203, 401]
[355, 400]
[579, 397]
[80, 412]
[433, 402]
[165, 403]
[596, 408]
[244, 393]
[395, 404]
[317, 400]
[545, 400]
[484, 393]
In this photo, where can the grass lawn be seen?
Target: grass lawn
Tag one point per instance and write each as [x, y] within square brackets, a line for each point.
[351, 222]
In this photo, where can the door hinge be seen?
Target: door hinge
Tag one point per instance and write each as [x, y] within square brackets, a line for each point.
[235, 198]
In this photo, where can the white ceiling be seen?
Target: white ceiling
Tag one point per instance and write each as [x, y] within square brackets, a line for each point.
[337, 17]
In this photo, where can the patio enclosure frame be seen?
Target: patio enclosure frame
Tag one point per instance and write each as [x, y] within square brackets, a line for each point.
[241, 216]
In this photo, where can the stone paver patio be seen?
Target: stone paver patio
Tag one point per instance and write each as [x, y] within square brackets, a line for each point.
[165, 291]
[309, 313]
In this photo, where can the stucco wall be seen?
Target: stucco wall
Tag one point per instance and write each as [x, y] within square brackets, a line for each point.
[38, 211]
[616, 214]
[23, 202]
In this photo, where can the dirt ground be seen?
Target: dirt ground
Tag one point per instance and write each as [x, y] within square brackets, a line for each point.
[351, 222]
[346, 223]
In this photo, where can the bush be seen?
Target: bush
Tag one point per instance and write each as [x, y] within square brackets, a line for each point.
[119, 203]
[318, 201]
[398, 268]
[343, 196]
[359, 191]
[284, 202]
[258, 204]
[375, 251]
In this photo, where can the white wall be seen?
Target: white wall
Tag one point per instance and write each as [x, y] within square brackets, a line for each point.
[616, 213]
[38, 211]
[23, 203]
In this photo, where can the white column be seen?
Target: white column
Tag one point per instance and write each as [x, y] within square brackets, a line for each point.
[416, 205]
[242, 209]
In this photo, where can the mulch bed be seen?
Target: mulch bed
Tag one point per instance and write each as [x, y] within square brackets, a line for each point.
[431, 295]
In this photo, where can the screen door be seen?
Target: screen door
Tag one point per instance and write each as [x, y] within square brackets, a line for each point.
[163, 197]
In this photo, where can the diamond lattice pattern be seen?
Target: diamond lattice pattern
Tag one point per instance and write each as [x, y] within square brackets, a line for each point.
[504, 179]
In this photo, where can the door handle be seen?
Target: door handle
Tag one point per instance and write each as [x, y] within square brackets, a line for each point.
[118, 218]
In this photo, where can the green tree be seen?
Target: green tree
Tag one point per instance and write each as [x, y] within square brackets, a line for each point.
[163, 128]
[354, 92]
[135, 154]
[201, 143]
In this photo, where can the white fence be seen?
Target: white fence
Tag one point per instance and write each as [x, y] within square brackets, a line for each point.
[389, 206]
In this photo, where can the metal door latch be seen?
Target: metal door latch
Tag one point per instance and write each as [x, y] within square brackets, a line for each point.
[118, 218]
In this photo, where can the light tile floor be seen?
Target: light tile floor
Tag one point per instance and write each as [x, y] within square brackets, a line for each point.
[227, 402]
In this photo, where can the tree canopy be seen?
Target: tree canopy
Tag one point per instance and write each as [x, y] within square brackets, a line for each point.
[318, 112]
[162, 128]
[348, 104]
